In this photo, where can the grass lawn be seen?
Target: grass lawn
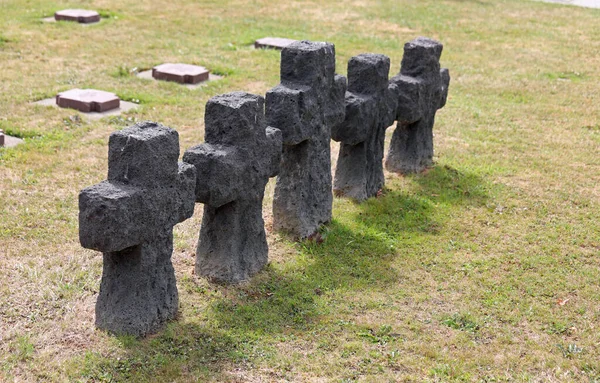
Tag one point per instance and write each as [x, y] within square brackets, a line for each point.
[486, 268]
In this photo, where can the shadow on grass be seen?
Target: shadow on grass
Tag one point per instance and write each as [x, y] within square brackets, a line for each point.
[277, 300]
[451, 186]
[177, 352]
[355, 257]
[398, 214]
[236, 326]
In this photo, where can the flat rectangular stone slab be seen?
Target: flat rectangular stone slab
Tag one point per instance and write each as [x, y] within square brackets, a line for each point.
[88, 100]
[123, 107]
[181, 73]
[272, 43]
[77, 15]
[147, 75]
[8, 141]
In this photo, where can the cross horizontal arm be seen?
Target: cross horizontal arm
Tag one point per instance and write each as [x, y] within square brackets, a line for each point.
[114, 216]
[409, 98]
[274, 142]
[360, 114]
[287, 109]
[223, 174]
[445, 74]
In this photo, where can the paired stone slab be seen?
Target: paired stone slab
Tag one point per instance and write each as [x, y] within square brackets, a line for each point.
[307, 103]
[234, 164]
[272, 43]
[130, 218]
[422, 89]
[88, 100]
[371, 103]
[82, 16]
[181, 73]
[7, 141]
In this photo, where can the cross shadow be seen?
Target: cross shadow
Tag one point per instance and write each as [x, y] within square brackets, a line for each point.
[452, 186]
[355, 255]
[276, 300]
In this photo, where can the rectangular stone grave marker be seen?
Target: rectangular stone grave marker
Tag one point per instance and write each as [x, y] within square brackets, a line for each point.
[181, 73]
[7, 141]
[82, 16]
[88, 100]
[272, 43]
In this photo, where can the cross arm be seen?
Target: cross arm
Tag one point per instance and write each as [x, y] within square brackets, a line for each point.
[360, 115]
[335, 109]
[114, 216]
[409, 98]
[222, 174]
[287, 109]
[274, 144]
[445, 75]
[109, 218]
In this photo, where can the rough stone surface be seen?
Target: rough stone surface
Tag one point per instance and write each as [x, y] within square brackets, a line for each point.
[370, 109]
[272, 43]
[88, 100]
[181, 73]
[2, 141]
[422, 89]
[130, 218]
[78, 15]
[233, 165]
[307, 103]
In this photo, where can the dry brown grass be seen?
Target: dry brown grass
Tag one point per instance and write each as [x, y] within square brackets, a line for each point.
[457, 274]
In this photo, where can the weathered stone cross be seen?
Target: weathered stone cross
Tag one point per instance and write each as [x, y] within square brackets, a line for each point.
[307, 103]
[423, 89]
[370, 108]
[234, 165]
[130, 218]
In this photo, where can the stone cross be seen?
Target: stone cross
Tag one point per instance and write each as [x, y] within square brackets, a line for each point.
[423, 89]
[239, 155]
[130, 218]
[370, 108]
[307, 103]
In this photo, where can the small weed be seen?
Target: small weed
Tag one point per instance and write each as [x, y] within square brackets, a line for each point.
[124, 71]
[560, 328]
[108, 14]
[22, 349]
[463, 322]
[568, 75]
[592, 128]
[382, 336]
[221, 70]
[73, 121]
[122, 121]
[570, 351]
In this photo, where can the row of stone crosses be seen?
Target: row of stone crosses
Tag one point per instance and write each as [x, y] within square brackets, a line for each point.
[248, 139]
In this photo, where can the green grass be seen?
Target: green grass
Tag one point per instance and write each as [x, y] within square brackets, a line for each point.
[483, 269]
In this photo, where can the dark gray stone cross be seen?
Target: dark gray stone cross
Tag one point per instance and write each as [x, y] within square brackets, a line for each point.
[307, 103]
[423, 89]
[234, 165]
[130, 218]
[370, 108]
